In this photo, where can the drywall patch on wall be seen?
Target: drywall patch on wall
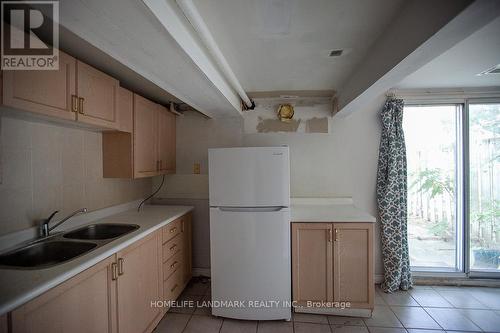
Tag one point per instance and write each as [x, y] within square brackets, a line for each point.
[311, 115]
[317, 125]
[276, 125]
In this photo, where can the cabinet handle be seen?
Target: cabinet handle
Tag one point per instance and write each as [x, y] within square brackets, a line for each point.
[173, 229]
[80, 105]
[173, 265]
[114, 276]
[120, 266]
[74, 103]
[173, 288]
[336, 234]
[173, 247]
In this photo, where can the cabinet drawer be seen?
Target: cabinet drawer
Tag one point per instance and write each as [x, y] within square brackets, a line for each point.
[171, 230]
[172, 265]
[173, 285]
[171, 247]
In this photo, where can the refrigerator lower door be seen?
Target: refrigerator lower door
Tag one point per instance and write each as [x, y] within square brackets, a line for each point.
[250, 263]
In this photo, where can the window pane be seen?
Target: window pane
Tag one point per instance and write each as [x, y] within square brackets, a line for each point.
[431, 144]
[484, 183]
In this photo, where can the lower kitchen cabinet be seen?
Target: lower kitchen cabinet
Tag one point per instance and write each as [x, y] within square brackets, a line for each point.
[139, 281]
[333, 263]
[84, 303]
[115, 295]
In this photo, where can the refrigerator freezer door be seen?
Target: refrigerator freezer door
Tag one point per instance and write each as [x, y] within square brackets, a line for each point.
[250, 262]
[249, 177]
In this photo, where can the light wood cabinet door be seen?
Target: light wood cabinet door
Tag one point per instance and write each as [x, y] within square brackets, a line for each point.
[139, 283]
[145, 137]
[312, 263]
[353, 264]
[166, 140]
[187, 262]
[44, 92]
[97, 97]
[85, 303]
[125, 112]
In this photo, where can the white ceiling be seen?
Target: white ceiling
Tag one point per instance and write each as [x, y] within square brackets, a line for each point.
[458, 67]
[284, 44]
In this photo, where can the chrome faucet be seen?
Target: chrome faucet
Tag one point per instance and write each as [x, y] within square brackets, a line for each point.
[44, 227]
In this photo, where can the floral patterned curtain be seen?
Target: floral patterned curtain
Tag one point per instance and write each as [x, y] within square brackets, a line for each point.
[392, 197]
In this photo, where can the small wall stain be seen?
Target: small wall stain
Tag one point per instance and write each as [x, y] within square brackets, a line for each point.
[317, 125]
[276, 125]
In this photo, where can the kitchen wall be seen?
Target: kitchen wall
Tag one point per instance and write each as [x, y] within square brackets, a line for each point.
[46, 167]
[342, 162]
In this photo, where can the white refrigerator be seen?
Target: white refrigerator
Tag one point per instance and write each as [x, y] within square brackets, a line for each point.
[249, 192]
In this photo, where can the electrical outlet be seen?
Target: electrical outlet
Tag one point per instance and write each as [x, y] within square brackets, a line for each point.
[196, 168]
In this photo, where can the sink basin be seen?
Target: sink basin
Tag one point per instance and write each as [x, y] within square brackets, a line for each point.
[101, 231]
[45, 254]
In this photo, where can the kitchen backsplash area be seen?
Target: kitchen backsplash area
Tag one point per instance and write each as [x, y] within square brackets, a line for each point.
[46, 167]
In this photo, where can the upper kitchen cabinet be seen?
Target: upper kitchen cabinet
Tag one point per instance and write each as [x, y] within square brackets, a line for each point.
[149, 150]
[146, 162]
[166, 140]
[125, 112]
[50, 93]
[97, 97]
[76, 91]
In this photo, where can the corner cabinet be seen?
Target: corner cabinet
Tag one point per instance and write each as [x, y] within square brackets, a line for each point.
[332, 264]
[149, 150]
[115, 295]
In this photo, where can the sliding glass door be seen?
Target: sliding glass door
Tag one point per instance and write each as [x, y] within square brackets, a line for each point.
[432, 135]
[484, 187]
[454, 187]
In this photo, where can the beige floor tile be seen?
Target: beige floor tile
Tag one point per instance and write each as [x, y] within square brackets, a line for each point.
[418, 330]
[401, 298]
[452, 319]
[383, 316]
[172, 323]
[203, 307]
[487, 296]
[238, 326]
[203, 324]
[347, 321]
[278, 326]
[487, 320]
[386, 330]
[310, 328]
[348, 329]
[461, 299]
[310, 318]
[413, 317]
[430, 298]
[379, 300]
[196, 288]
[186, 304]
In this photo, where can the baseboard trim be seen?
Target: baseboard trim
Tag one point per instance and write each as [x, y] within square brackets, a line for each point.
[201, 271]
[378, 278]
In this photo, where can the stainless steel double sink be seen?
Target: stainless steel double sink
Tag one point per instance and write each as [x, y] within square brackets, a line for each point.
[62, 247]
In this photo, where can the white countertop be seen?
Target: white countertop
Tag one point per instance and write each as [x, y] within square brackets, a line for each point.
[328, 210]
[20, 286]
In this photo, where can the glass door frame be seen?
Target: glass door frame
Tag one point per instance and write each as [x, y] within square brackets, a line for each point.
[466, 186]
[460, 261]
[463, 262]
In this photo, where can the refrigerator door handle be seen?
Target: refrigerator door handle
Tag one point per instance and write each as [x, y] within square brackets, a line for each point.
[253, 209]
